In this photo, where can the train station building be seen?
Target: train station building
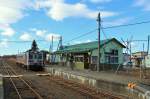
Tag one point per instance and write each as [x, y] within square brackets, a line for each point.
[85, 55]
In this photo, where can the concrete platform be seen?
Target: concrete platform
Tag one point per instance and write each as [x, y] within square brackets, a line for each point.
[1, 88]
[106, 76]
[118, 84]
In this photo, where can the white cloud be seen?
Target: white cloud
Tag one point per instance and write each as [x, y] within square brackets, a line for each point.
[143, 3]
[26, 37]
[85, 41]
[59, 10]
[10, 12]
[56, 37]
[38, 32]
[88, 40]
[4, 43]
[100, 1]
[6, 30]
[44, 34]
[120, 21]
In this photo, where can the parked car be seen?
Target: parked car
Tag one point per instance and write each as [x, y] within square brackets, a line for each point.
[127, 64]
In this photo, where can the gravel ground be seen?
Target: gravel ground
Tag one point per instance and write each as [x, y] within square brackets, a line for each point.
[45, 87]
[53, 90]
[9, 92]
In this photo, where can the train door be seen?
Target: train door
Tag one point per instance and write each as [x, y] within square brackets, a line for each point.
[35, 58]
[41, 58]
[31, 58]
[38, 59]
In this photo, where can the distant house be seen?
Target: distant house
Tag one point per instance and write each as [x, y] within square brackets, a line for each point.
[147, 61]
[85, 55]
[138, 58]
[126, 57]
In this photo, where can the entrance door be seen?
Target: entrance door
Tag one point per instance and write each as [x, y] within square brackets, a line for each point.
[86, 61]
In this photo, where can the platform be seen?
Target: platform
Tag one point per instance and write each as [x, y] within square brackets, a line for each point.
[1, 88]
[109, 81]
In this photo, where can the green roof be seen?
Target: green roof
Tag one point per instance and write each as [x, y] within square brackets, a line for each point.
[84, 47]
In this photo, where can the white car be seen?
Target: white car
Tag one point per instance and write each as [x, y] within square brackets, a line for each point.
[127, 64]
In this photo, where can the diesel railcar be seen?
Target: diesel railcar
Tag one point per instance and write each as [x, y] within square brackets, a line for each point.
[31, 60]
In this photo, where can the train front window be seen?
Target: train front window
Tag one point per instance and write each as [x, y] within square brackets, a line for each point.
[40, 56]
[30, 56]
[35, 56]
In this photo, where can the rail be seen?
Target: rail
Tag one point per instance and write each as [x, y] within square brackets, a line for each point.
[83, 89]
[10, 71]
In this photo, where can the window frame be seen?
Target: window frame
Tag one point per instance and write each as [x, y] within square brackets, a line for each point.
[95, 58]
[79, 58]
[112, 57]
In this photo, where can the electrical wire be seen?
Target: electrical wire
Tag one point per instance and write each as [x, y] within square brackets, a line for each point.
[87, 33]
[17, 41]
[117, 26]
[125, 25]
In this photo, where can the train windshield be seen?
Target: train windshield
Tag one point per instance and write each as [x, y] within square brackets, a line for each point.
[30, 56]
[40, 56]
[35, 56]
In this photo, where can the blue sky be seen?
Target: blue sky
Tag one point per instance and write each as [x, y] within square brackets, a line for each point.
[25, 20]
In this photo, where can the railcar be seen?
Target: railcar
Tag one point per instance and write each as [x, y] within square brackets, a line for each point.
[31, 60]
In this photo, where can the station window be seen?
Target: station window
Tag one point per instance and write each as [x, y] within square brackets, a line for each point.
[114, 59]
[79, 59]
[94, 59]
[111, 57]
[107, 59]
[114, 52]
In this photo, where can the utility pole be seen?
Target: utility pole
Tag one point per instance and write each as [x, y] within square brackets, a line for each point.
[130, 42]
[130, 52]
[52, 44]
[141, 64]
[145, 71]
[99, 27]
[60, 42]
[148, 44]
[52, 50]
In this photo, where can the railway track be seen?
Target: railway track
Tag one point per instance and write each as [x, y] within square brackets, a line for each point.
[22, 87]
[88, 92]
[84, 90]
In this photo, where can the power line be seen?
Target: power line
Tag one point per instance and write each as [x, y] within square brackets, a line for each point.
[17, 41]
[122, 40]
[87, 33]
[125, 25]
[104, 33]
[139, 40]
[117, 26]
